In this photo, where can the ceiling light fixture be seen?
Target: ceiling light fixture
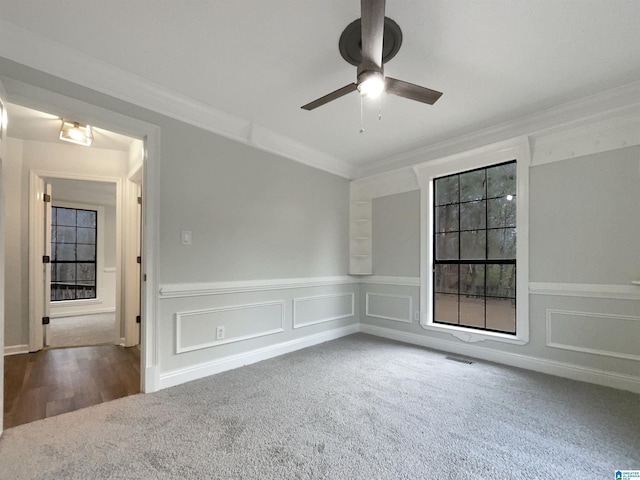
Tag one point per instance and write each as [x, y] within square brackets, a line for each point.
[371, 84]
[76, 133]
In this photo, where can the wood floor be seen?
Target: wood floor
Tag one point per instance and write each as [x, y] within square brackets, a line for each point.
[54, 381]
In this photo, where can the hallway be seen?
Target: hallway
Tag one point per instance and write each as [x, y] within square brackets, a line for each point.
[54, 381]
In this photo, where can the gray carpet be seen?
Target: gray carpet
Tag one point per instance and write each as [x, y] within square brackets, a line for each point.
[96, 329]
[355, 408]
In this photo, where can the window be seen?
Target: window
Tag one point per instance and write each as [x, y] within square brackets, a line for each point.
[73, 253]
[474, 278]
[474, 248]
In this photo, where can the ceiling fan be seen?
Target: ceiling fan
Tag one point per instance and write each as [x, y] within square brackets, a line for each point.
[368, 43]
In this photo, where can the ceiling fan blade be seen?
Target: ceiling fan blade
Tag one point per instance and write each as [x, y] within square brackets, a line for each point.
[331, 96]
[372, 34]
[411, 91]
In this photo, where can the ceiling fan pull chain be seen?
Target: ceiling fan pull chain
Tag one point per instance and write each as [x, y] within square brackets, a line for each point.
[380, 107]
[361, 115]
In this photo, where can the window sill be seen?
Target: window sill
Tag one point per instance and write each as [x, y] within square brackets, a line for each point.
[474, 336]
[70, 303]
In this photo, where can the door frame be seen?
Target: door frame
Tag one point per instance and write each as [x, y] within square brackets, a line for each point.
[41, 99]
[36, 235]
[3, 150]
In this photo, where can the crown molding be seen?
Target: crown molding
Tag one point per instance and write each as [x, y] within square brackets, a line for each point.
[401, 180]
[556, 120]
[40, 53]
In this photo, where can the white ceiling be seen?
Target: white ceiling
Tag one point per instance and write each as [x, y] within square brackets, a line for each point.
[495, 60]
[27, 124]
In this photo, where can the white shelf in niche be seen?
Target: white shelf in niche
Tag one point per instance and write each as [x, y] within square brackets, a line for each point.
[360, 252]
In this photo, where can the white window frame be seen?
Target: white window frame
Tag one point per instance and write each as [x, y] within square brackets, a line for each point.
[517, 149]
[58, 306]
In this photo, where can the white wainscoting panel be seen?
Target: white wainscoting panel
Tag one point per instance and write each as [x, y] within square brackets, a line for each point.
[593, 333]
[196, 330]
[322, 308]
[398, 308]
[193, 372]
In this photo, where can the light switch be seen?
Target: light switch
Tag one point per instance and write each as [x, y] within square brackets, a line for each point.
[186, 236]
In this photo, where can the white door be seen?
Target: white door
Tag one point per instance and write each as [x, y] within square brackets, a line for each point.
[132, 264]
[46, 307]
[3, 135]
[139, 269]
[39, 262]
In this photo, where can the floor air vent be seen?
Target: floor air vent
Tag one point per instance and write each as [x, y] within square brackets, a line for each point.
[460, 360]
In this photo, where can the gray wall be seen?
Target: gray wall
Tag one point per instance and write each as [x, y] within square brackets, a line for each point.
[16, 306]
[254, 215]
[585, 219]
[110, 236]
[584, 229]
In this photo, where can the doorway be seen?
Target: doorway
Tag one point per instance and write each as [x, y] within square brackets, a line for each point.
[76, 280]
[83, 264]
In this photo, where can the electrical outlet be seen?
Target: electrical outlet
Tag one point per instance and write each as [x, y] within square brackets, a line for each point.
[219, 333]
[416, 315]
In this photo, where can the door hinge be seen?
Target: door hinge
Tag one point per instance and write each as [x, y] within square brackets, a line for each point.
[45, 320]
[46, 259]
[139, 200]
[138, 319]
[139, 259]
[47, 198]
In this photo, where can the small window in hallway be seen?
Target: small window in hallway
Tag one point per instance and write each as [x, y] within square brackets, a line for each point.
[73, 253]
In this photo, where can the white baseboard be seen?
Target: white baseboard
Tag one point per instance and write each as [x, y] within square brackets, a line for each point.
[77, 313]
[176, 377]
[15, 349]
[551, 367]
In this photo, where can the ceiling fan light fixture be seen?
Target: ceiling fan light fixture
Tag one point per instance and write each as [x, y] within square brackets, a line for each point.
[362, 44]
[371, 84]
[74, 132]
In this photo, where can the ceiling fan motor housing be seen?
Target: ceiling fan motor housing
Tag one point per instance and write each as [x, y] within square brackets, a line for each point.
[350, 43]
